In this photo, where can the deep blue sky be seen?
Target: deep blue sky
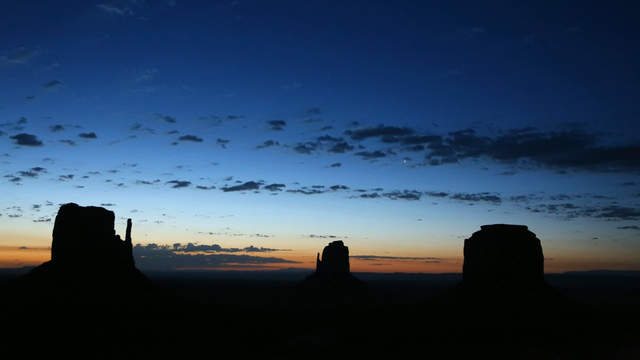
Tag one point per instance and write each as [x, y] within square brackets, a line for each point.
[441, 116]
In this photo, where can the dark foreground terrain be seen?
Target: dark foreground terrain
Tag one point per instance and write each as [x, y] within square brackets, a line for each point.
[593, 315]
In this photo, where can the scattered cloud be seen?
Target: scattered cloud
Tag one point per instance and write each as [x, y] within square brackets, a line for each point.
[403, 195]
[90, 135]
[165, 257]
[166, 118]
[477, 197]
[380, 131]
[305, 148]
[249, 185]
[340, 147]
[629, 227]
[56, 128]
[53, 84]
[190, 138]
[202, 187]
[179, 183]
[277, 124]
[68, 142]
[275, 187]
[222, 142]
[26, 140]
[368, 155]
[268, 143]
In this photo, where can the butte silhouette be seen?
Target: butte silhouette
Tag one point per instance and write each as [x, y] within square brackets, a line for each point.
[503, 279]
[333, 278]
[87, 256]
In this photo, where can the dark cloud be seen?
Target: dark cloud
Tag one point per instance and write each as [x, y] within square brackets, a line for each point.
[403, 195]
[39, 169]
[477, 197]
[325, 128]
[108, 204]
[65, 177]
[306, 191]
[376, 257]
[222, 142]
[629, 227]
[415, 148]
[329, 138]
[166, 118]
[616, 212]
[31, 174]
[164, 257]
[527, 147]
[26, 140]
[314, 236]
[277, 124]
[56, 128]
[190, 247]
[53, 84]
[421, 139]
[179, 183]
[365, 133]
[374, 195]
[340, 147]
[339, 187]
[305, 148]
[201, 187]
[335, 165]
[367, 155]
[574, 210]
[275, 187]
[22, 120]
[68, 142]
[190, 138]
[629, 183]
[439, 194]
[90, 135]
[249, 185]
[268, 143]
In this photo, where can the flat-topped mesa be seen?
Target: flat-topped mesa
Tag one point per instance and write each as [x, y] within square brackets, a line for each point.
[504, 256]
[335, 260]
[86, 235]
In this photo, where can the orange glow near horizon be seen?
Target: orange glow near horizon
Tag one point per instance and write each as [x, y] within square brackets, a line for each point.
[16, 257]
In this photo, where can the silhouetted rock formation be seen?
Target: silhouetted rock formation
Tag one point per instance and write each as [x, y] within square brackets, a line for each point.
[335, 260]
[503, 280]
[332, 281]
[87, 254]
[86, 234]
[503, 256]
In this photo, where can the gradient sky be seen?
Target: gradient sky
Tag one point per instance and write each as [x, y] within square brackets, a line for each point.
[261, 131]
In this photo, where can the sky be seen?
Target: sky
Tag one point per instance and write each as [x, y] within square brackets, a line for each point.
[250, 134]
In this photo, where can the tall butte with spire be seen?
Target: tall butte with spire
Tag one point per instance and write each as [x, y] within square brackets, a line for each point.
[86, 250]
